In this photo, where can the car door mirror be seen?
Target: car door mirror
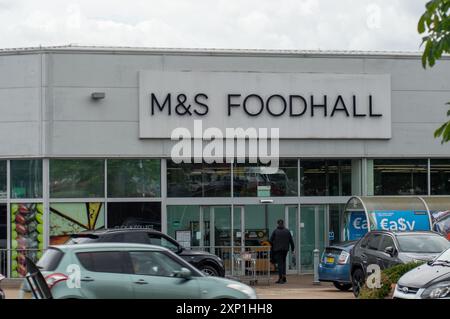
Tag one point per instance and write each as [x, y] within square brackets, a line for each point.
[390, 251]
[183, 273]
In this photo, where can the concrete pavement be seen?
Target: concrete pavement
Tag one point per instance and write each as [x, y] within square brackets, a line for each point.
[300, 287]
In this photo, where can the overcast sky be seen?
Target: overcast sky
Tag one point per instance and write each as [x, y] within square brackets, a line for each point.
[248, 24]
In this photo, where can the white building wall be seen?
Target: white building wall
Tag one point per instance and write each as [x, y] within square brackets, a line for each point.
[74, 125]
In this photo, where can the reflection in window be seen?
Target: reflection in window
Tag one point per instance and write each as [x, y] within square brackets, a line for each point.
[131, 214]
[77, 178]
[400, 176]
[72, 218]
[2, 179]
[198, 180]
[134, 178]
[326, 177]
[440, 177]
[26, 178]
[249, 177]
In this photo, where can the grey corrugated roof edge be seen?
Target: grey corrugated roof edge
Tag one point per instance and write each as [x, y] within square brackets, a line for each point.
[206, 51]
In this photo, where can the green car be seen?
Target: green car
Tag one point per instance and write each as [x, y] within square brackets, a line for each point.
[112, 270]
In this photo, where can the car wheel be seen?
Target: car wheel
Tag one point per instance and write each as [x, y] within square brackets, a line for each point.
[357, 281]
[209, 270]
[341, 286]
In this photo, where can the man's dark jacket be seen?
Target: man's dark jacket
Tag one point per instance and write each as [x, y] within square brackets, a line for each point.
[281, 239]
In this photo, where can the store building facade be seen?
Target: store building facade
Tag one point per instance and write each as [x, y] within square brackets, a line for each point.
[85, 142]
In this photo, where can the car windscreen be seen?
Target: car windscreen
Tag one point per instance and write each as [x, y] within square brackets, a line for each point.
[422, 243]
[445, 256]
[50, 259]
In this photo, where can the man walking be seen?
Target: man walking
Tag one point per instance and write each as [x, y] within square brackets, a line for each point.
[280, 241]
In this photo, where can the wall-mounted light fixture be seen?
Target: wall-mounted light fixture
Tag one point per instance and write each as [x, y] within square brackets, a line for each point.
[98, 95]
[266, 201]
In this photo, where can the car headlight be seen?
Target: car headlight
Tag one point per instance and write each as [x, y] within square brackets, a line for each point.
[244, 289]
[436, 291]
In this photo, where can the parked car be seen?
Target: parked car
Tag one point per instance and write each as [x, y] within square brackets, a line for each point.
[387, 249]
[428, 281]
[117, 270]
[335, 265]
[206, 262]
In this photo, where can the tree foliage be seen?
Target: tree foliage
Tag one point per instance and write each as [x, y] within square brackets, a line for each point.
[435, 25]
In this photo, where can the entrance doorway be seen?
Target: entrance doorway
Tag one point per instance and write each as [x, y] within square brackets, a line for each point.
[225, 230]
[309, 229]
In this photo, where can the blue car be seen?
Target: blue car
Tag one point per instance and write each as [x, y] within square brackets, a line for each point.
[335, 265]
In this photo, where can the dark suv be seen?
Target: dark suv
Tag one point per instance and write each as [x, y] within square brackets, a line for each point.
[206, 262]
[387, 249]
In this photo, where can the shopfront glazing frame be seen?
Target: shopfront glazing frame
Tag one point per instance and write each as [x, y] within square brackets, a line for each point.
[164, 200]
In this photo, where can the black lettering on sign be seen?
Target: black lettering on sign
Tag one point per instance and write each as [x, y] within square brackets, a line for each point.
[230, 104]
[154, 101]
[292, 98]
[283, 101]
[254, 97]
[356, 114]
[340, 101]
[180, 108]
[201, 104]
[324, 105]
[371, 113]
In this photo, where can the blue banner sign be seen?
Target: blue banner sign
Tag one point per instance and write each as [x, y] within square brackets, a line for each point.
[356, 226]
[399, 220]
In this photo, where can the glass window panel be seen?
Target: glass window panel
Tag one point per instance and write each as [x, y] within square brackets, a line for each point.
[237, 231]
[440, 177]
[71, 218]
[248, 177]
[27, 235]
[222, 226]
[77, 178]
[153, 263]
[3, 228]
[134, 178]
[26, 178]
[198, 180]
[3, 239]
[326, 177]
[313, 178]
[131, 214]
[335, 221]
[400, 176]
[2, 179]
[183, 222]
[257, 232]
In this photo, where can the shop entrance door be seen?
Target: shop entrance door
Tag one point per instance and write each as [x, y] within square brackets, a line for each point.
[253, 225]
[313, 234]
[216, 226]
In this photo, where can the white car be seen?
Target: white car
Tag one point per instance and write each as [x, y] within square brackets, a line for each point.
[428, 281]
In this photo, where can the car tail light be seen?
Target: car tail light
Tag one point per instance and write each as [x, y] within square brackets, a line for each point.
[343, 258]
[53, 279]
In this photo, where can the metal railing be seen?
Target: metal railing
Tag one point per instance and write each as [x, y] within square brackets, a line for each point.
[244, 263]
[12, 261]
